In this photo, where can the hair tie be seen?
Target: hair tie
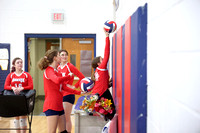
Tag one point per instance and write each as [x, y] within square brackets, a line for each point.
[45, 57]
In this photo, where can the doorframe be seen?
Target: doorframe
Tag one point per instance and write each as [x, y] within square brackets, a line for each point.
[34, 35]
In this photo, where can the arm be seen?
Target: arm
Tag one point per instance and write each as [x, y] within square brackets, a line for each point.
[54, 78]
[30, 83]
[7, 83]
[106, 54]
[66, 88]
[77, 73]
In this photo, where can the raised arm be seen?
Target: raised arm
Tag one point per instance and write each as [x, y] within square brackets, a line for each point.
[106, 52]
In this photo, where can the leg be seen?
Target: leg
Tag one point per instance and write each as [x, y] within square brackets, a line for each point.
[23, 123]
[61, 123]
[68, 110]
[68, 102]
[52, 122]
[16, 124]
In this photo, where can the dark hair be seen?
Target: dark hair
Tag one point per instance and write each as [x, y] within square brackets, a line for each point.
[13, 63]
[47, 59]
[95, 61]
[63, 50]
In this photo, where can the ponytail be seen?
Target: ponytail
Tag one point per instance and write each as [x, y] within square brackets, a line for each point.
[13, 69]
[45, 61]
[93, 77]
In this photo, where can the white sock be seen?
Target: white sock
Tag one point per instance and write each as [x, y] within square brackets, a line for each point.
[23, 122]
[16, 123]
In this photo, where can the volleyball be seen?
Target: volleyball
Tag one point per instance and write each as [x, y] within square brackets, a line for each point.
[86, 84]
[110, 26]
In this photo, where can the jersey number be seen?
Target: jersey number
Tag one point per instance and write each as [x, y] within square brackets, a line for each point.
[19, 85]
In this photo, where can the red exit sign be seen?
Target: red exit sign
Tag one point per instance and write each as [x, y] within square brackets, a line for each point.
[58, 16]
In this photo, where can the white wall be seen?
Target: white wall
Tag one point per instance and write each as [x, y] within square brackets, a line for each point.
[173, 48]
[173, 55]
[34, 16]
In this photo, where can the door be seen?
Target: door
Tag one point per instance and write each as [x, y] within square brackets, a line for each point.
[80, 54]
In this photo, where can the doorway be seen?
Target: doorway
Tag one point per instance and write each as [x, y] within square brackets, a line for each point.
[76, 44]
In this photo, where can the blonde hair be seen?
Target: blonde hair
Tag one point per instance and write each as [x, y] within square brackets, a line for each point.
[45, 61]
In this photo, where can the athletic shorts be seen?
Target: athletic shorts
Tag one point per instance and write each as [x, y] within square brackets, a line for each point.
[50, 112]
[69, 98]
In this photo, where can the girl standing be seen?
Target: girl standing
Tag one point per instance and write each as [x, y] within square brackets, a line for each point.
[53, 107]
[69, 96]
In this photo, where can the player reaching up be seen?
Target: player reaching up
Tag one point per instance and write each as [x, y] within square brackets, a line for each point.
[101, 76]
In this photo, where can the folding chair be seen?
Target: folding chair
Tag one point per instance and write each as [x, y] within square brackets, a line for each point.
[18, 105]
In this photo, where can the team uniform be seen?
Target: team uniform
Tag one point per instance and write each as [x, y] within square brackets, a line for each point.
[52, 89]
[101, 73]
[68, 95]
[19, 80]
[102, 78]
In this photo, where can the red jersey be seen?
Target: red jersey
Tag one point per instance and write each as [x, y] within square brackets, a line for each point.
[65, 70]
[19, 80]
[101, 73]
[52, 89]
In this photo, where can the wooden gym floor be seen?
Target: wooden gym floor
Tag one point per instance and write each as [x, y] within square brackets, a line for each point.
[39, 123]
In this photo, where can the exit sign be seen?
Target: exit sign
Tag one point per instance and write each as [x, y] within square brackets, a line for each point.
[58, 16]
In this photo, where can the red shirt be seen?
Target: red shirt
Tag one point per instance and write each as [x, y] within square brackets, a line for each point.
[65, 70]
[52, 89]
[19, 80]
[101, 73]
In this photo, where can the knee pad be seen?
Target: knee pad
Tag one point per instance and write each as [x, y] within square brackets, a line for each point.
[16, 123]
[22, 122]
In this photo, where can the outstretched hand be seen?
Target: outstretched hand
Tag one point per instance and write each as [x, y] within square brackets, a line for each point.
[106, 33]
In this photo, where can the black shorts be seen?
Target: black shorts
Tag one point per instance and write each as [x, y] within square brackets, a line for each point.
[50, 112]
[69, 98]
